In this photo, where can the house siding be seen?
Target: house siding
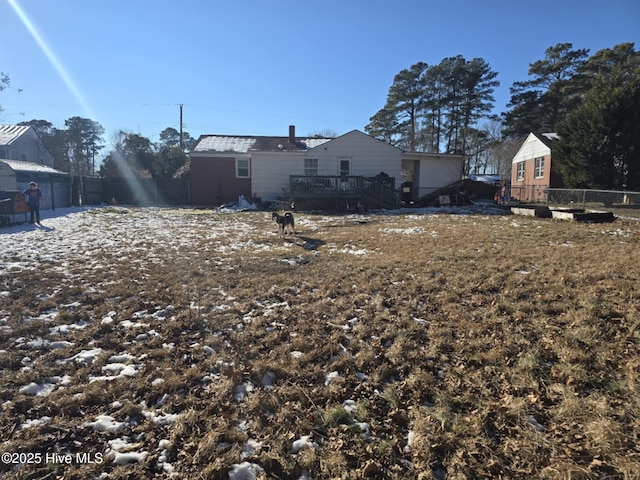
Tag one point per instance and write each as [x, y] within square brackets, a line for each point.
[214, 181]
[368, 156]
[271, 171]
[24, 145]
[439, 173]
[431, 171]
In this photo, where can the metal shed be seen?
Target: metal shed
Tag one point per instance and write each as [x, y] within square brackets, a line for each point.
[55, 185]
[8, 178]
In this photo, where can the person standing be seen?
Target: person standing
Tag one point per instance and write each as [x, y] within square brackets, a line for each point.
[33, 196]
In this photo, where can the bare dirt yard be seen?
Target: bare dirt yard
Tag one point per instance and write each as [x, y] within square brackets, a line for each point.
[197, 344]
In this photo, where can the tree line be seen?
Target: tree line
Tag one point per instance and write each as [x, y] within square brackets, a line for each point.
[592, 102]
[75, 150]
[76, 147]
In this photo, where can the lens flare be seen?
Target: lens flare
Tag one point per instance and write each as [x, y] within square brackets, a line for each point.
[51, 56]
[138, 189]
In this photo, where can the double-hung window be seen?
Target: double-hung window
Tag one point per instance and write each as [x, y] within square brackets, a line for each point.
[310, 167]
[520, 171]
[539, 167]
[344, 164]
[242, 168]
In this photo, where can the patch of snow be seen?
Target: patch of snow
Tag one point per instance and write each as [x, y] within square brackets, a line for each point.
[48, 316]
[124, 371]
[35, 422]
[331, 377]
[245, 471]
[45, 388]
[410, 438]
[163, 419]
[302, 443]
[163, 463]
[129, 324]
[125, 458]
[350, 406]
[252, 447]
[365, 429]
[403, 231]
[121, 358]
[65, 329]
[105, 423]
[353, 250]
[85, 356]
[40, 389]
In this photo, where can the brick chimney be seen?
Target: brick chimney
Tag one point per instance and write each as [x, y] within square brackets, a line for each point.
[292, 134]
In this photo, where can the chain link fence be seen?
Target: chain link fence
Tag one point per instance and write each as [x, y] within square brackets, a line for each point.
[524, 193]
[593, 198]
[570, 197]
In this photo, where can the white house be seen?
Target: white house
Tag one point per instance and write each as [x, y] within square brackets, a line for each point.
[24, 144]
[352, 154]
[265, 168]
[224, 166]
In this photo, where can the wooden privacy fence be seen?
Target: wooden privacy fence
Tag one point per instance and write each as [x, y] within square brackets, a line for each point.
[130, 191]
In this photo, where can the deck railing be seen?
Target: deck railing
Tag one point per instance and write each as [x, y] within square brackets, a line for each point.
[380, 189]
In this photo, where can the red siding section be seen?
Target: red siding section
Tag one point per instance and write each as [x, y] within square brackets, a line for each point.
[214, 182]
[530, 188]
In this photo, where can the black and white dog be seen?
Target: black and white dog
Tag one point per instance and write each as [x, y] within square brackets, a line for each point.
[283, 222]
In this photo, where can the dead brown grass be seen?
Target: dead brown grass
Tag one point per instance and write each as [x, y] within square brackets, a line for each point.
[473, 346]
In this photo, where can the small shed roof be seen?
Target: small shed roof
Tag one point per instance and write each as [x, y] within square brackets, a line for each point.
[20, 166]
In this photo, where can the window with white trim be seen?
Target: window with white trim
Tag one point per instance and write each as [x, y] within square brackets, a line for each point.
[520, 171]
[539, 167]
[242, 168]
[311, 167]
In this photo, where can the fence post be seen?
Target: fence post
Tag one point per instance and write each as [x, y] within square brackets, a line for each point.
[584, 197]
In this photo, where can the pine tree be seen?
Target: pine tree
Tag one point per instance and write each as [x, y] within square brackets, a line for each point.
[599, 145]
[543, 101]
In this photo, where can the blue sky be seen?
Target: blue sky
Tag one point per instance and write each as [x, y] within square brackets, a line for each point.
[255, 67]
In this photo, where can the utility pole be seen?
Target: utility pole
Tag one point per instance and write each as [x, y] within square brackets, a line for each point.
[181, 136]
